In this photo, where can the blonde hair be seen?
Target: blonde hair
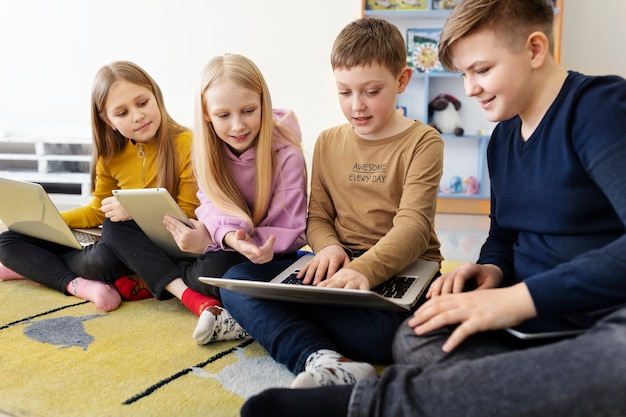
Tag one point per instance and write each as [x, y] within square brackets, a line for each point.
[511, 20]
[369, 41]
[109, 142]
[209, 160]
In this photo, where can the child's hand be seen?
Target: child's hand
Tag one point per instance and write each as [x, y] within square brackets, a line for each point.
[347, 278]
[324, 264]
[242, 242]
[483, 276]
[474, 311]
[193, 240]
[114, 211]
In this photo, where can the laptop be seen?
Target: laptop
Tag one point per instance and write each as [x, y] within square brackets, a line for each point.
[26, 208]
[148, 206]
[399, 293]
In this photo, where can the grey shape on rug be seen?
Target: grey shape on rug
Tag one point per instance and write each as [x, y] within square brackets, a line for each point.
[63, 331]
[260, 373]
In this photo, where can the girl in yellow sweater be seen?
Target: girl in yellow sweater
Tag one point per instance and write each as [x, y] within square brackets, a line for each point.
[137, 144]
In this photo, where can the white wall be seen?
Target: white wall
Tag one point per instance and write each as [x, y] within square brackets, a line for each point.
[593, 36]
[50, 51]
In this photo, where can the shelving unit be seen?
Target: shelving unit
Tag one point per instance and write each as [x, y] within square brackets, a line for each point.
[464, 156]
[61, 165]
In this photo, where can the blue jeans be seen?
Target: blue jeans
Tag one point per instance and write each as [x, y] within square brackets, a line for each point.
[290, 332]
[582, 376]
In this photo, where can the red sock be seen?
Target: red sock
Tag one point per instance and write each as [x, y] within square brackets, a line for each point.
[196, 302]
[132, 288]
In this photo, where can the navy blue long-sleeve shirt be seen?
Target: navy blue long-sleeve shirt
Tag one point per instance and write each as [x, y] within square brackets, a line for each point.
[558, 200]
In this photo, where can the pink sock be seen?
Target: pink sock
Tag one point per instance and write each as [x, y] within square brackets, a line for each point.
[7, 274]
[196, 302]
[101, 294]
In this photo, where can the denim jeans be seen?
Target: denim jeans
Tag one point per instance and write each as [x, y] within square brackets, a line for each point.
[581, 376]
[290, 332]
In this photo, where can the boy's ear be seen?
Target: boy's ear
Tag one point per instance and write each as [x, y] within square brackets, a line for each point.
[404, 78]
[539, 48]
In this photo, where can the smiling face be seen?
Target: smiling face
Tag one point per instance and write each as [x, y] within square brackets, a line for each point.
[132, 110]
[235, 113]
[367, 96]
[500, 78]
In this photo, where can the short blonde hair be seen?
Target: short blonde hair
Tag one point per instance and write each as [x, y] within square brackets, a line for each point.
[511, 20]
[369, 40]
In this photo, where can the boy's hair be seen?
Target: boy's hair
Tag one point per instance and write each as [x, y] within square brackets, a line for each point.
[511, 20]
[369, 41]
[209, 159]
[109, 142]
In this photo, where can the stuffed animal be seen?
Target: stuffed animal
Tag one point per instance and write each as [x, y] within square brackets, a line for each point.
[443, 113]
[472, 186]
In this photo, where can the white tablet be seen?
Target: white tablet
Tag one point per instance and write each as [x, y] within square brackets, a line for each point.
[148, 207]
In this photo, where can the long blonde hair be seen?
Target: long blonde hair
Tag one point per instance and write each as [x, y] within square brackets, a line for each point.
[109, 142]
[209, 160]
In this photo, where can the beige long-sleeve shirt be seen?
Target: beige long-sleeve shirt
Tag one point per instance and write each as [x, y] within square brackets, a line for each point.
[376, 195]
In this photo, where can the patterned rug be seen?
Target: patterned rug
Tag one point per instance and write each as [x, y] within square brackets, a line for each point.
[61, 357]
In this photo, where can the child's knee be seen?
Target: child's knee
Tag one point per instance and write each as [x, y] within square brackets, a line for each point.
[422, 351]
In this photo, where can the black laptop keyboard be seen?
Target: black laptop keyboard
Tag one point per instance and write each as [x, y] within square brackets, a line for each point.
[394, 287]
[291, 279]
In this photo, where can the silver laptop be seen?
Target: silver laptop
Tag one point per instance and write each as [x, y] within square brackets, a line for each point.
[400, 293]
[148, 206]
[26, 208]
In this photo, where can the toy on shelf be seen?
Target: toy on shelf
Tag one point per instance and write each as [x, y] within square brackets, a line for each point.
[469, 186]
[443, 113]
[456, 185]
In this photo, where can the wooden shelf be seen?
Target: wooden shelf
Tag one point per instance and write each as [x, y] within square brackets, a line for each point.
[460, 205]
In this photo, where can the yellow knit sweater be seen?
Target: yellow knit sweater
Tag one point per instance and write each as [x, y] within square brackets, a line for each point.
[127, 171]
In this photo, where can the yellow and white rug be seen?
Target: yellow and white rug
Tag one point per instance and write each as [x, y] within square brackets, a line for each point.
[61, 357]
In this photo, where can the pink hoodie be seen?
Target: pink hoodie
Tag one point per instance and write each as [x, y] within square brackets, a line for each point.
[286, 214]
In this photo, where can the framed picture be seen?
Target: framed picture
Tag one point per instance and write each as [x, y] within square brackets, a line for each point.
[444, 4]
[422, 50]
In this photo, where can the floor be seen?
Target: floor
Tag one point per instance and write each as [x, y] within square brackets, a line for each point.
[461, 236]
